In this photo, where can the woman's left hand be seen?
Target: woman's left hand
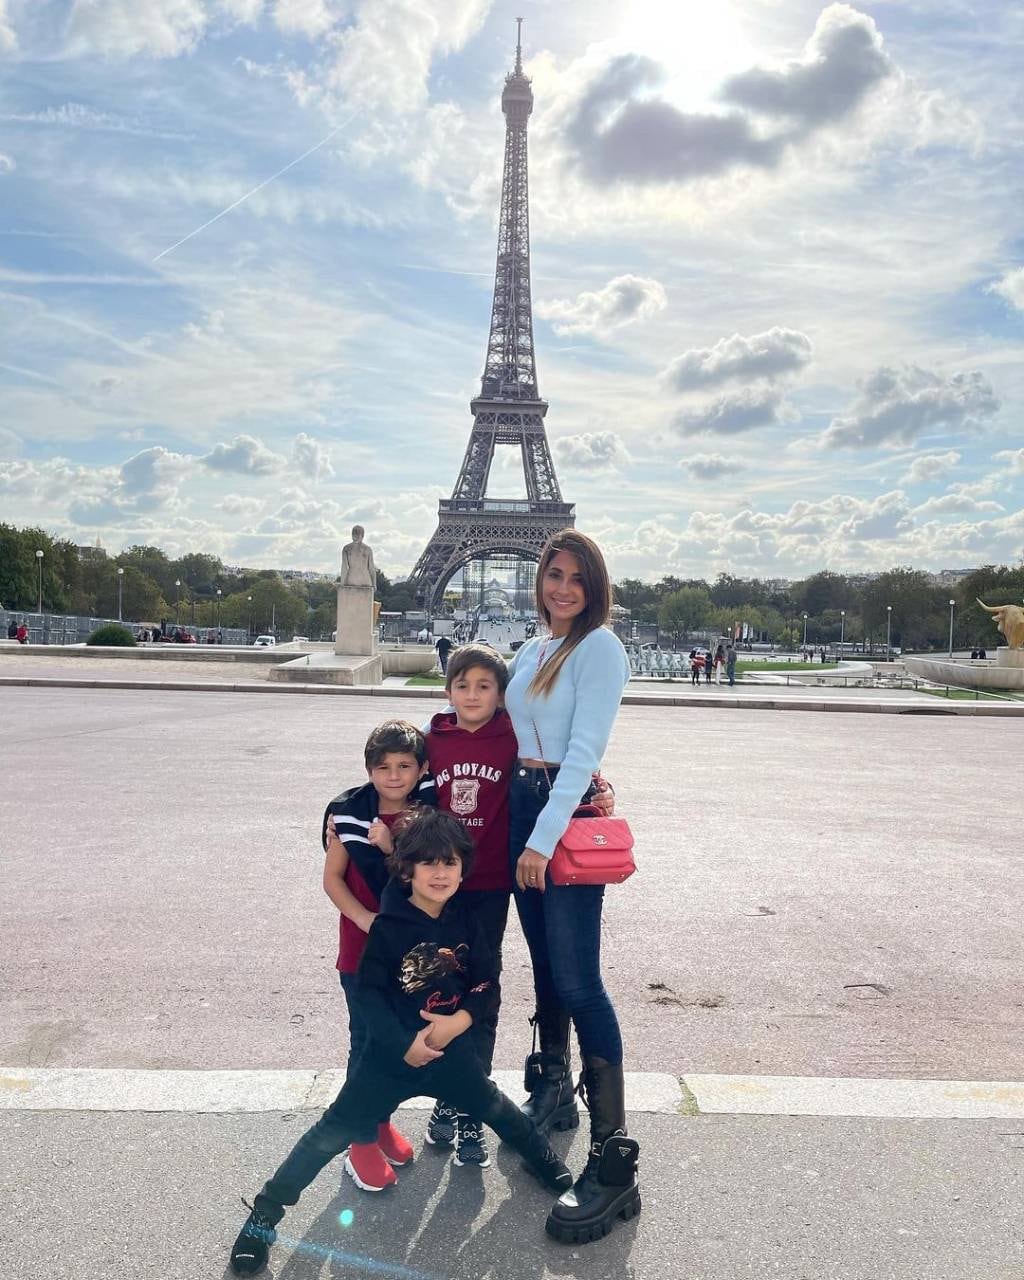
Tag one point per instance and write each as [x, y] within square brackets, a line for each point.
[604, 797]
[531, 870]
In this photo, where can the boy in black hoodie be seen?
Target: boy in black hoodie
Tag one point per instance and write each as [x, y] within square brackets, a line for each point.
[425, 975]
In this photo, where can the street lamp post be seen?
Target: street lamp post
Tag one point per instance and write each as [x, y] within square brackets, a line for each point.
[120, 585]
[218, 612]
[177, 602]
[805, 630]
[249, 601]
[39, 561]
[842, 630]
[952, 606]
[888, 632]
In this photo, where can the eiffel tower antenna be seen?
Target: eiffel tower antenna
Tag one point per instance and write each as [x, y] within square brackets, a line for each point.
[508, 410]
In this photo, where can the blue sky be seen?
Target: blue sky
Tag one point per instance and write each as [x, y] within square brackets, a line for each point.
[778, 274]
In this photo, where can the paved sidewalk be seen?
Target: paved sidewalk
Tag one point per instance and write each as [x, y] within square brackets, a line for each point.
[130, 1197]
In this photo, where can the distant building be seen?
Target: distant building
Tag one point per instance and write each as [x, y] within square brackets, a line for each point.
[95, 552]
[950, 577]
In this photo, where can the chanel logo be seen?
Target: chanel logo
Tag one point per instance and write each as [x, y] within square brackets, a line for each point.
[600, 840]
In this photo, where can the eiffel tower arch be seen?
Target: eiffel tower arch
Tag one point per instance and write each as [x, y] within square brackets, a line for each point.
[509, 409]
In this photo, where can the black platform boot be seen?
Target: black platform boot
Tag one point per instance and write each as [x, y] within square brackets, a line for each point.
[547, 1078]
[607, 1188]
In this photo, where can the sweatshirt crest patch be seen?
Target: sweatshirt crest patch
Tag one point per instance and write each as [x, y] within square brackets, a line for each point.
[465, 795]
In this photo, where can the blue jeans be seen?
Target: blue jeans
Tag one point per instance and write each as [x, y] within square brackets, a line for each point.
[562, 926]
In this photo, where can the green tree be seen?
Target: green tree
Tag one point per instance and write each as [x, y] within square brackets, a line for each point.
[919, 609]
[684, 610]
[154, 564]
[995, 584]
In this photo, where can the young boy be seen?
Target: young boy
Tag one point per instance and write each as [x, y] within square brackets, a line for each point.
[356, 841]
[472, 751]
[425, 979]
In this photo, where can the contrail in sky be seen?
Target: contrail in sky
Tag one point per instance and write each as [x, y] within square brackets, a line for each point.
[259, 187]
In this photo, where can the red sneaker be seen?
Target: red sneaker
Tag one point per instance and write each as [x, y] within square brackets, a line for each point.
[393, 1146]
[367, 1167]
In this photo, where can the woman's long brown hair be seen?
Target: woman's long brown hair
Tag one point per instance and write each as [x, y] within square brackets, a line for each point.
[597, 591]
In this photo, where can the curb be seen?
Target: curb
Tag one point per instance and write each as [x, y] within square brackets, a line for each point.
[654, 1093]
[629, 699]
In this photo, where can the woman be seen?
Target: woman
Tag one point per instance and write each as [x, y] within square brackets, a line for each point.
[563, 697]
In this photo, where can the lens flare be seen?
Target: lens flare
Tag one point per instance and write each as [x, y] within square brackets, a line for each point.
[346, 1217]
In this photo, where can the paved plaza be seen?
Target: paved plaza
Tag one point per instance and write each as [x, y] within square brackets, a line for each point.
[825, 897]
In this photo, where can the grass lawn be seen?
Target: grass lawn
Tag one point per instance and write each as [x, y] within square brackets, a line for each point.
[964, 695]
[436, 682]
[741, 667]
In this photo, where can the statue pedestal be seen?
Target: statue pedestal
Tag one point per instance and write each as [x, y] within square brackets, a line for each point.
[356, 635]
[1010, 659]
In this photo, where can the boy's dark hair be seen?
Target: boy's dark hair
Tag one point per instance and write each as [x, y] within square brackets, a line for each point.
[428, 835]
[394, 736]
[477, 655]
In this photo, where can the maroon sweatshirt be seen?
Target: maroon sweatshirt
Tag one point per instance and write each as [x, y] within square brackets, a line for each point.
[472, 772]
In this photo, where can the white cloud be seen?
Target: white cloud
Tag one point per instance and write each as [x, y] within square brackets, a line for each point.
[310, 458]
[1012, 459]
[1011, 287]
[621, 301]
[245, 455]
[947, 504]
[235, 504]
[241, 11]
[713, 466]
[895, 406]
[619, 131]
[382, 58]
[126, 28]
[8, 40]
[932, 466]
[75, 115]
[307, 17]
[841, 63]
[591, 451]
[768, 355]
[730, 414]
[7, 164]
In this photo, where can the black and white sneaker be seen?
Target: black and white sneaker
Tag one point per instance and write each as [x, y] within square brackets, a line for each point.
[470, 1143]
[441, 1125]
[250, 1251]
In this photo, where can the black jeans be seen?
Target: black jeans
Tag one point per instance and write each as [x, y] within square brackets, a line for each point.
[379, 1086]
[490, 909]
[358, 1039]
[563, 931]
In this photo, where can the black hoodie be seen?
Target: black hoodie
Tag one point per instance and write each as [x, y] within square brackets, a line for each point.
[413, 962]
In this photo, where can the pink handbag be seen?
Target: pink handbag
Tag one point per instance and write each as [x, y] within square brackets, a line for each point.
[593, 850]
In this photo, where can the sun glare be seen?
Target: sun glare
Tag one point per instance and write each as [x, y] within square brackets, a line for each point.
[698, 42]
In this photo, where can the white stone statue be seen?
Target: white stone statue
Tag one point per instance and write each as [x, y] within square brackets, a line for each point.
[357, 567]
[1009, 619]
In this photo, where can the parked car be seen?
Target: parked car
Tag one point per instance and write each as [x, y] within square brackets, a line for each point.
[264, 642]
[300, 639]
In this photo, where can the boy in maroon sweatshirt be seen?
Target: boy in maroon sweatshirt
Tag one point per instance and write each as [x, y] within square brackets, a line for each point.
[472, 751]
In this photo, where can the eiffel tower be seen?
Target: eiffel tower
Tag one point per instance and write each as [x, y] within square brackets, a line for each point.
[508, 410]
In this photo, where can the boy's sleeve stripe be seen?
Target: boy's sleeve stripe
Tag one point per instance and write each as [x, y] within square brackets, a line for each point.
[346, 837]
[349, 820]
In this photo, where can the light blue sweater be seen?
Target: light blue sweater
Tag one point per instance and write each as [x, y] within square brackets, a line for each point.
[574, 721]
